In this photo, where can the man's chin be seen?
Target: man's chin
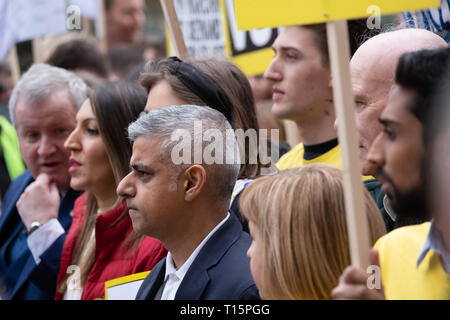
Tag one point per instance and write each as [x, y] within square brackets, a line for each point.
[410, 205]
[61, 183]
[281, 112]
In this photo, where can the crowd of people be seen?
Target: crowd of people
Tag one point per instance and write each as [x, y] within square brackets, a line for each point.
[114, 164]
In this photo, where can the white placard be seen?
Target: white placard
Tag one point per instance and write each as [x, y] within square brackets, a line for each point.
[22, 20]
[202, 27]
[125, 291]
[88, 8]
[7, 38]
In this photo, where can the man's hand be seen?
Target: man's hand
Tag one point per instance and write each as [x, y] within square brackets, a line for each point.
[353, 283]
[39, 202]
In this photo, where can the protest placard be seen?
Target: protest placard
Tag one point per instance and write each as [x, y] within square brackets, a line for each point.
[209, 29]
[269, 13]
[23, 20]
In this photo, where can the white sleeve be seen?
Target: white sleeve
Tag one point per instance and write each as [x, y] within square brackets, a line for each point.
[41, 239]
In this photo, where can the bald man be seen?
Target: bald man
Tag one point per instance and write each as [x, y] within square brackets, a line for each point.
[372, 71]
[414, 261]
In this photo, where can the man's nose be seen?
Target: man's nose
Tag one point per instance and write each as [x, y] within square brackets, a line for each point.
[272, 73]
[46, 146]
[125, 189]
[376, 151]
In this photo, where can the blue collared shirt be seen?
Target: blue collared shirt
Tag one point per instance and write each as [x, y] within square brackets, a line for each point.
[434, 242]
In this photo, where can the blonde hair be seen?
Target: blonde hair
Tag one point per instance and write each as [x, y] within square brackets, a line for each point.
[302, 226]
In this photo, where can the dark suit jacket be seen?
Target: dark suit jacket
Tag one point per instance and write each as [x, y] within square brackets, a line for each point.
[17, 267]
[221, 271]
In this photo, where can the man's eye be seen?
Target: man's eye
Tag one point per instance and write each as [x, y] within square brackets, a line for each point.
[31, 135]
[359, 105]
[61, 131]
[141, 174]
[390, 134]
[291, 56]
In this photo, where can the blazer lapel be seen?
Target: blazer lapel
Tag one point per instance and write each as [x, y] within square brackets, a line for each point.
[192, 288]
[26, 263]
[65, 208]
[197, 278]
[27, 268]
[10, 222]
[152, 282]
[9, 203]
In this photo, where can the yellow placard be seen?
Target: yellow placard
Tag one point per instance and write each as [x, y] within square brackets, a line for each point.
[252, 14]
[251, 63]
[124, 280]
[251, 56]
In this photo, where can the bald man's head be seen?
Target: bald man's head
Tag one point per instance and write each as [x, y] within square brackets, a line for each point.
[373, 69]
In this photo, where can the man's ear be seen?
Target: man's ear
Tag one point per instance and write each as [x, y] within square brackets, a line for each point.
[195, 178]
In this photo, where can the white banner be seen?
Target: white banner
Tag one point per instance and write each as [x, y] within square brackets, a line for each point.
[88, 8]
[202, 27]
[22, 20]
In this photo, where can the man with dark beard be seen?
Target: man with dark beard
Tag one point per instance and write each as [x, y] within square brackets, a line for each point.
[414, 260]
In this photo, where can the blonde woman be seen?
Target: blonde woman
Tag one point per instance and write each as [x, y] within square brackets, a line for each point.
[300, 241]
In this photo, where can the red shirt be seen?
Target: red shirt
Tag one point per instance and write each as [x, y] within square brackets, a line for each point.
[111, 259]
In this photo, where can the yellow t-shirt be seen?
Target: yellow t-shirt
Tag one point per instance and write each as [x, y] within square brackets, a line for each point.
[402, 279]
[294, 159]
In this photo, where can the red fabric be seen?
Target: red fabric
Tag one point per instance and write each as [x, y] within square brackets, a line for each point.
[111, 260]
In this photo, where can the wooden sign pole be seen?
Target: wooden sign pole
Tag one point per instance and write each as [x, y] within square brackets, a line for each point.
[14, 63]
[357, 226]
[173, 25]
[36, 46]
[86, 26]
[101, 27]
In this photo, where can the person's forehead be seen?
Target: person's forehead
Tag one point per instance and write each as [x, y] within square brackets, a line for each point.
[397, 105]
[146, 150]
[369, 78]
[57, 104]
[85, 110]
[162, 95]
[295, 37]
[127, 4]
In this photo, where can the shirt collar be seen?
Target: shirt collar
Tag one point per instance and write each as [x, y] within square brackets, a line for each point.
[63, 192]
[181, 272]
[387, 206]
[434, 242]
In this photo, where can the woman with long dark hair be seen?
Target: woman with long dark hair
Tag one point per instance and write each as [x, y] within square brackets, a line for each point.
[101, 244]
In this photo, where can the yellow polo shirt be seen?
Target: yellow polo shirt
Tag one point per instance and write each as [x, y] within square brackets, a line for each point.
[294, 159]
[402, 278]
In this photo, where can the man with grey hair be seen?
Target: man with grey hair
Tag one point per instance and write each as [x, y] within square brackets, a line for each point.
[184, 166]
[36, 209]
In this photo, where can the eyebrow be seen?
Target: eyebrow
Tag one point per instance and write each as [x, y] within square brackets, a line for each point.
[286, 48]
[140, 167]
[386, 122]
[360, 96]
[89, 120]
